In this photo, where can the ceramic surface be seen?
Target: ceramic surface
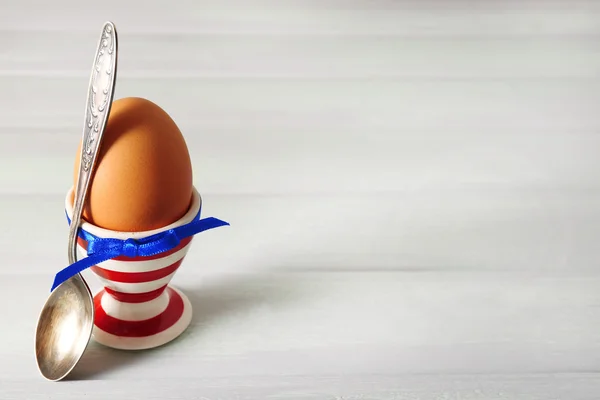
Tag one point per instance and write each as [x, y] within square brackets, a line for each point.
[137, 308]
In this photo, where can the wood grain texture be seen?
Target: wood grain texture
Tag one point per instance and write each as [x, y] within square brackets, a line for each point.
[536, 231]
[351, 55]
[373, 387]
[308, 135]
[371, 333]
[366, 17]
[413, 189]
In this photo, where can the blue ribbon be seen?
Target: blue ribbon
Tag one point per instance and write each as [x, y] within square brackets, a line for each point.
[103, 249]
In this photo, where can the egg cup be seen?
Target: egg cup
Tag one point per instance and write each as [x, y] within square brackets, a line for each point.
[137, 308]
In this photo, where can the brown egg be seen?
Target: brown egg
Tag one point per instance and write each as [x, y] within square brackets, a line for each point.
[143, 175]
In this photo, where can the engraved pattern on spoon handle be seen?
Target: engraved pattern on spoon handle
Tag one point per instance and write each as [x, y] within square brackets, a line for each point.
[98, 104]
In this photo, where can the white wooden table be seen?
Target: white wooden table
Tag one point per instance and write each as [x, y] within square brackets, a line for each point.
[413, 191]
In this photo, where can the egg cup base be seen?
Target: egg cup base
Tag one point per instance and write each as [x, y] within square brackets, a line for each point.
[141, 334]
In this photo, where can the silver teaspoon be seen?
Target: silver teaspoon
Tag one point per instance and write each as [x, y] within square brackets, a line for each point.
[66, 321]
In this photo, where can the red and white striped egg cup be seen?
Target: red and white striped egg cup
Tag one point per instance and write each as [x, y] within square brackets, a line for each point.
[138, 309]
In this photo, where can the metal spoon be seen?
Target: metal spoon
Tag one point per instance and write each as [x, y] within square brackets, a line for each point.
[66, 321]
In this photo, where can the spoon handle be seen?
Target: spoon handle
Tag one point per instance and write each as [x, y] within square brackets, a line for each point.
[98, 104]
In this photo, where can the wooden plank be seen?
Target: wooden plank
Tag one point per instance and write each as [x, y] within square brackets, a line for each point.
[581, 386]
[380, 17]
[444, 230]
[332, 159]
[374, 103]
[157, 56]
[313, 324]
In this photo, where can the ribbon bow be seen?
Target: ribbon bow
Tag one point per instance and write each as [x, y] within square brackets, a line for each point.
[103, 249]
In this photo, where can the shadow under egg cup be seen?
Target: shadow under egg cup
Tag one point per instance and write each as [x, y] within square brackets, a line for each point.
[138, 309]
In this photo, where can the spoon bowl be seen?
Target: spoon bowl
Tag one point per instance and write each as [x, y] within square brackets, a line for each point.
[64, 329]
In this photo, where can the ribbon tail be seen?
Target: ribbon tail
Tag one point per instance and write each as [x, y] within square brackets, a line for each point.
[200, 226]
[210, 223]
[81, 265]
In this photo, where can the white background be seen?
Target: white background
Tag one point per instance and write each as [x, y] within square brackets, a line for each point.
[413, 190]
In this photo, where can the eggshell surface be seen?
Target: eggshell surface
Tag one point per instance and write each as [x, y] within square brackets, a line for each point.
[143, 174]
